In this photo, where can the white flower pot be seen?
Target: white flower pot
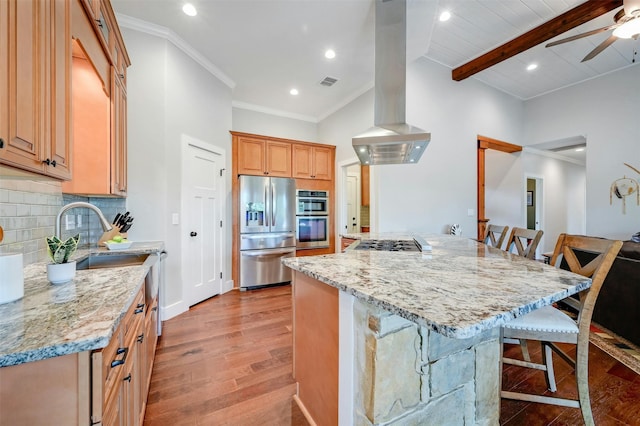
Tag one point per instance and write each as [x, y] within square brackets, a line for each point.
[60, 273]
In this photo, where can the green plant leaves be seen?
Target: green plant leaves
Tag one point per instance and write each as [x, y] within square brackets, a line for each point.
[60, 251]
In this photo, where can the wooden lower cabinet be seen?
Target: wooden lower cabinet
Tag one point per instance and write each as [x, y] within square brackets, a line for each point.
[107, 387]
[346, 242]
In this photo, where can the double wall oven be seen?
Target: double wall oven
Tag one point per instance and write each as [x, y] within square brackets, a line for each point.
[312, 219]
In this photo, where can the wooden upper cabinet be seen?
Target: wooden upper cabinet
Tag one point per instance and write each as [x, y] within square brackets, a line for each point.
[263, 157]
[99, 103]
[118, 136]
[312, 162]
[278, 156]
[35, 55]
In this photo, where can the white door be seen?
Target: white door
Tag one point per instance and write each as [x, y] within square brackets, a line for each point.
[352, 204]
[202, 206]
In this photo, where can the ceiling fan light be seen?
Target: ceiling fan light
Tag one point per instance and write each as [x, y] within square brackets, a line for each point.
[629, 29]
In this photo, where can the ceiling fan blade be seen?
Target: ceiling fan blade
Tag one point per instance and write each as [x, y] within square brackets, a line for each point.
[579, 36]
[608, 42]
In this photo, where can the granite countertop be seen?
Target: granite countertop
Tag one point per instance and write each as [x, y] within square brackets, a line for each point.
[81, 315]
[459, 289]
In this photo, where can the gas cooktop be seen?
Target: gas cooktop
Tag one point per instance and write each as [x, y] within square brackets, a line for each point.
[387, 245]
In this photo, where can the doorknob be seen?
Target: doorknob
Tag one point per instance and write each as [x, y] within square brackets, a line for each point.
[193, 233]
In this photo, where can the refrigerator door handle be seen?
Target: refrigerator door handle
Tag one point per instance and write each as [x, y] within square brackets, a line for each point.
[273, 204]
[267, 253]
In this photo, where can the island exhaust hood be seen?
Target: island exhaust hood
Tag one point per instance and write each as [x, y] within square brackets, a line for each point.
[391, 140]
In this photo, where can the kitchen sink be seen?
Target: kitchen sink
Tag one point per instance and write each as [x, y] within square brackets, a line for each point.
[111, 261]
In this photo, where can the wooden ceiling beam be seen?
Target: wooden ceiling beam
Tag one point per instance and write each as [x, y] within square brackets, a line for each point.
[580, 14]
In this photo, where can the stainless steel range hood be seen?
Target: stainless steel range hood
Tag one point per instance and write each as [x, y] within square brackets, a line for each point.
[391, 140]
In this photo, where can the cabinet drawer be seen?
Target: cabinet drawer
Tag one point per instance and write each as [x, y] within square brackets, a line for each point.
[136, 310]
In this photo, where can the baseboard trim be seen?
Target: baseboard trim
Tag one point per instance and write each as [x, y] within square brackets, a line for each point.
[175, 309]
[304, 410]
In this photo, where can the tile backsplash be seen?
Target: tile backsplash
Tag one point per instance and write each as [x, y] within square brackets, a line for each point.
[28, 210]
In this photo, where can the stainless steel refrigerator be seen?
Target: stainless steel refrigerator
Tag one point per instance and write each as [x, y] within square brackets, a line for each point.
[267, 229]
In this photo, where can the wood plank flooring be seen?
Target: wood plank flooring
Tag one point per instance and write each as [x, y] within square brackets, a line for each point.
[613, 387]
[228, 361]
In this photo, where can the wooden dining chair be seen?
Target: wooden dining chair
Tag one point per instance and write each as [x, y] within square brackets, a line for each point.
[524, 241]
[549, 325]
[495, 235]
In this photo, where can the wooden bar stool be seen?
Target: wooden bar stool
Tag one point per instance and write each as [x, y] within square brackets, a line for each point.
[494, 235]
[524, 241]
[548, 325]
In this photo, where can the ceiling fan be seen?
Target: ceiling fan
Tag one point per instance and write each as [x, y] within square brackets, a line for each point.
[626, 25]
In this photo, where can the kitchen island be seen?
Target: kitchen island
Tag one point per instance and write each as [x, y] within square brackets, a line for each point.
[51, 339]
[410, 337]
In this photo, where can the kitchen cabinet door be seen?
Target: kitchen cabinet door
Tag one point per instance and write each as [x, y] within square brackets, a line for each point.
[312, 162]
[36, 84]
[118, 135]
[58, 90]
[278, 159]
[322, 163]
[264, 157]
[251, 156]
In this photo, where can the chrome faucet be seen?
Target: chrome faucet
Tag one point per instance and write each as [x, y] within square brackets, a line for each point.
[106, 226]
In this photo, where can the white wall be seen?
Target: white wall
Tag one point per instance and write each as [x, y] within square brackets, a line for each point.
[563, 195]
[260, 123]
[438, 191]
[168, 95]
[605, 111]
[504, 180]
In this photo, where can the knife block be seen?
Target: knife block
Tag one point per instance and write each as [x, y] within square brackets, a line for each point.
[106, 236]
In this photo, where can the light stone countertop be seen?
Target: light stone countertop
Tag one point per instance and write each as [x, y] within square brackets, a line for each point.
[460, 289]
[52, 320]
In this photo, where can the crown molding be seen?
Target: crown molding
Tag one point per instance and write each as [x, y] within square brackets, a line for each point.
[136, 24]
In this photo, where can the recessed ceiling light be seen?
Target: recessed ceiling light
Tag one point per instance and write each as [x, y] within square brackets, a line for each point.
[363, 149]
[330, 54]
[294, 92]
[445, 16]
[189, 9]
[579, 149]
[532, 67]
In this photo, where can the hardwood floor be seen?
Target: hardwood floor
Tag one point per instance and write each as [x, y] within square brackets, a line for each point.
[228, 361]
[614, 390]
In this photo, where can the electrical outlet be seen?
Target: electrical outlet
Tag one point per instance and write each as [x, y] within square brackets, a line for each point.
[471, 212]
[70, 222]
[175, 219]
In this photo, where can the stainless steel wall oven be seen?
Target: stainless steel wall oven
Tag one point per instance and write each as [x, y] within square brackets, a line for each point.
[312, 232]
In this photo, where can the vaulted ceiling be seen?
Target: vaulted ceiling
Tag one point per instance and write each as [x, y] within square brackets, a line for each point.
[266, 47]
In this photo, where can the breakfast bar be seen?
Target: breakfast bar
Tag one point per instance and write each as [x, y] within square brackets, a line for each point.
[408, 337]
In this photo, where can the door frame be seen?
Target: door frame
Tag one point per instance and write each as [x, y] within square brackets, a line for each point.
[358, 196]
[538, 202]
[187, 141]
[341, 197]
[485, 143]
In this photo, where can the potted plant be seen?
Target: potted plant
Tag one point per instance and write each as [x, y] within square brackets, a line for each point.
[61, 270]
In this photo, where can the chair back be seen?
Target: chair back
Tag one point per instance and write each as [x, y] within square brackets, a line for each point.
[490, 237]
[596, 269]
[525, 242]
